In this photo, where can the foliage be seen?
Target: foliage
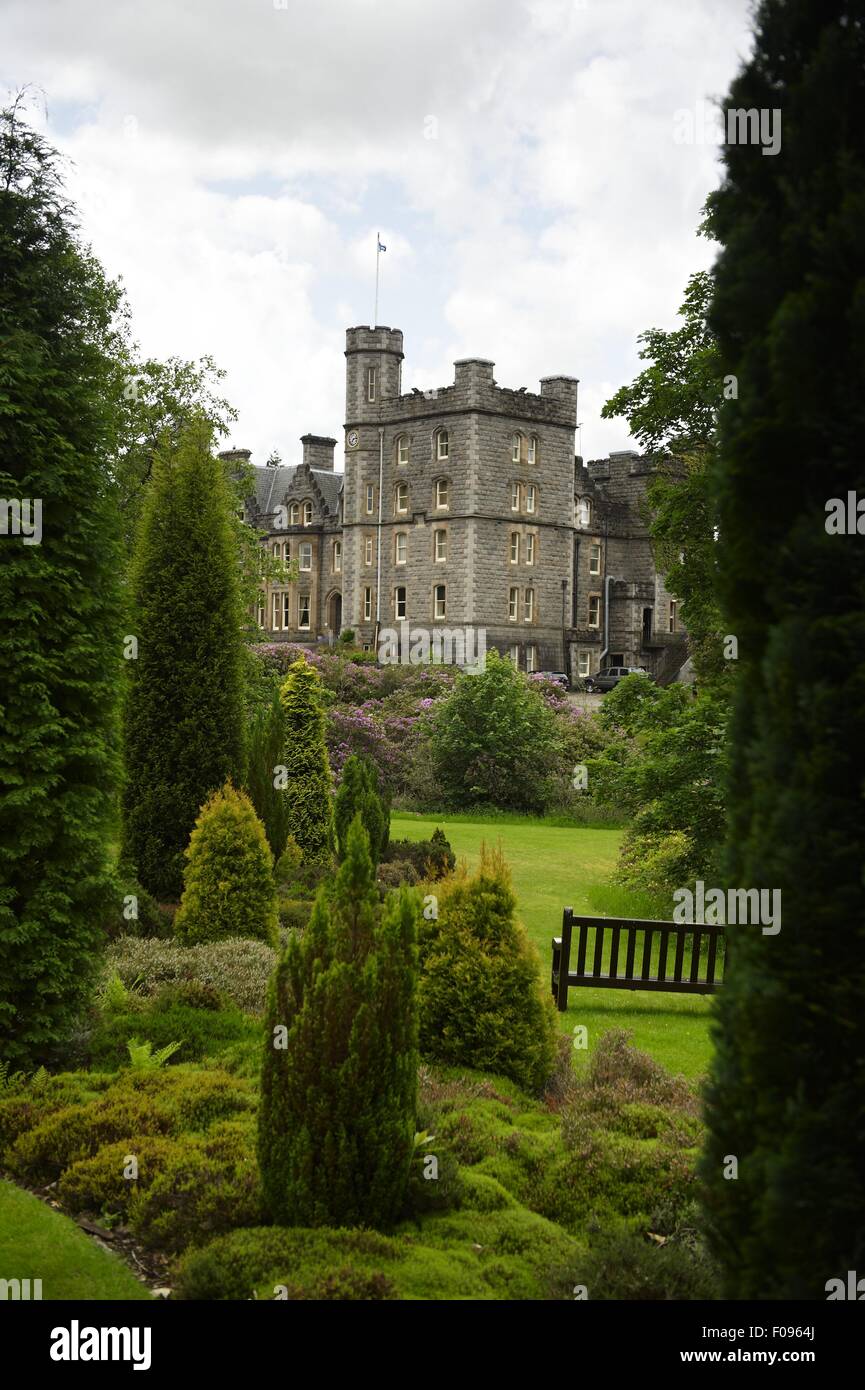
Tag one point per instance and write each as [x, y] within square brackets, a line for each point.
[786, 1082]
[669, 774]
[203, 1032]
[431, 859]
[481, 999]
[237, 968]
[143, 1058]
[228, 879]
[672, 411]
[266, 744]
[308, 785]
[60, 612]
[338, 1087]
[184, 732]
[494, 739]
[358, 795]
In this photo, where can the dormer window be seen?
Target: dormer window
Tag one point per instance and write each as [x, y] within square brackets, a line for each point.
[442, 445]
[402, 449]
[294, 514]
[307, 513]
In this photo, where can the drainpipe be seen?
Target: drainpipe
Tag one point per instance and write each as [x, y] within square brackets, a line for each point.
[608, 580]
[378, 538]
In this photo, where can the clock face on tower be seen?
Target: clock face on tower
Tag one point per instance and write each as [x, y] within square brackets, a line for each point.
[351, 439]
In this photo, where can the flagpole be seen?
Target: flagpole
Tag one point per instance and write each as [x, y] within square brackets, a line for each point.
[377, 259]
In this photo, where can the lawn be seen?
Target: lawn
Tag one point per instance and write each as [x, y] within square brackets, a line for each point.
[558, 866]
[37, 1242]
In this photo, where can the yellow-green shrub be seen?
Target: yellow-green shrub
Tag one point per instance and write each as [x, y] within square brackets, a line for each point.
[228, 877]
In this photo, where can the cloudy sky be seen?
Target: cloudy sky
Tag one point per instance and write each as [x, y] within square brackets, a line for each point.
[233, 160]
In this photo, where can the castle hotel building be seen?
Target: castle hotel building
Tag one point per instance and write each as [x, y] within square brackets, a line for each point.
[464, 507]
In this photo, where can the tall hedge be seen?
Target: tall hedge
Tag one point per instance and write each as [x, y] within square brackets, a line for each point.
[266, 746]
[339, 1080]
[228, 879]
[482, 1001]
[184, 730]
[60, 616]
[308, 782]
[358, 795]
[789, 309]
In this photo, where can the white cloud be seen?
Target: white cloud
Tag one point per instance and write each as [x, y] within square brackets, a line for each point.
[233, 161]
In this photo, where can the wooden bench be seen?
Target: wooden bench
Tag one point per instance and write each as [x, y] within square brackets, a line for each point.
[686, 977]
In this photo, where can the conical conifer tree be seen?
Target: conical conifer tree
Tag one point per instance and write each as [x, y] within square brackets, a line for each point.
[783, 1160]
[183, 722]
[307, 775]
[228, 879]
[358, 794]
[60, 613]
[266, 747]
[339, 1081]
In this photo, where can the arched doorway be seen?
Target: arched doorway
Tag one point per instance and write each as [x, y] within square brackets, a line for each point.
[334, 614]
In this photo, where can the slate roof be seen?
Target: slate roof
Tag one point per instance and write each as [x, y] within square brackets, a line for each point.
[271, 485]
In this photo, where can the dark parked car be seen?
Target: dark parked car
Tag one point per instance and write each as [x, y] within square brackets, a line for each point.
[609, 676]
[556, 676]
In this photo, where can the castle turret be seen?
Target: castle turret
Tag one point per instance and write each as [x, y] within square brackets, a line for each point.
[372, 371]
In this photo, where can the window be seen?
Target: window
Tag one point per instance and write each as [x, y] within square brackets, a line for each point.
[367, 604]
[367, 555]
[401, 497]
[370, 383]
[337, 556]
[515, 448]
[401, 547]
[442, 445]
[305, 555]
[594, 610]
[584, 663]
[303, 610]
[532, 454]
[531, 658]
[294, 514]
[399, 604]
[440, 548]
[286, 610]
[439, 601]
[583, 512]
[307, 513]
[513, 604]
[530, 550]
[260, 612]
[529, 605]
[673, 614]
[370, 499]
[514, 654]
[402, 449]
[277, 550]
[442, 493]
[286, 552]
[530, 497]
[515, 497]
[594, 559]
[515, 547]
[274, 618]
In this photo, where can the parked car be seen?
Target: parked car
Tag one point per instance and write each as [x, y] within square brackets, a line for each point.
[556, 676]
[609, 676]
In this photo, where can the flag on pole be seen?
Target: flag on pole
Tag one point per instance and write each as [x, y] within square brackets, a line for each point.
[381, 247]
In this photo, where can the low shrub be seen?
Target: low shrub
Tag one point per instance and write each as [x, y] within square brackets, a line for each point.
[626, 1265]
[202, 1032]
[99, 1184]
[294, 913]
[206, 1188]
[432, 859]
[238, 967]
[192, 994]
[396, 873]
[79, 1131]
[238, 1264]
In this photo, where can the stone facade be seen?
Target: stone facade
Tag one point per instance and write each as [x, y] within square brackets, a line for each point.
[464, 508]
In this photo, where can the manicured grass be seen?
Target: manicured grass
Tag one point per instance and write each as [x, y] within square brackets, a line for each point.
[559, 866]
[37, 1242]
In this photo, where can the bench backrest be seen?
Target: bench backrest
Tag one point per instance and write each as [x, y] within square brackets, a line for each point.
[682, 952]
